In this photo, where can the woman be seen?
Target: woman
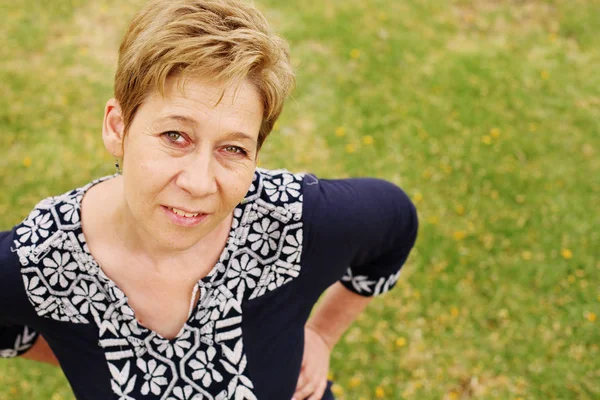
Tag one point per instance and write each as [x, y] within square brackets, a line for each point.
[191, 273]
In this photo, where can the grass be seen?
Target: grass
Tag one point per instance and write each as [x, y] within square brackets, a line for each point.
[485, 112]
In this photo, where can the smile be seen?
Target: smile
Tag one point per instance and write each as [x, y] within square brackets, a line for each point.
[184, 218]
[183, 213]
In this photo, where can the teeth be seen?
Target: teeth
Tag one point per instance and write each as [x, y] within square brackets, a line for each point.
[183, 213]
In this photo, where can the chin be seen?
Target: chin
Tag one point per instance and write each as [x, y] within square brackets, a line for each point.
[180, 243]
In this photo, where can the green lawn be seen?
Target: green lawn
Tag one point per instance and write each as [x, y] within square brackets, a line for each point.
[486, 112]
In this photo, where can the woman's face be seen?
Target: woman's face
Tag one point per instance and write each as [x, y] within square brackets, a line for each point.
[187, 163]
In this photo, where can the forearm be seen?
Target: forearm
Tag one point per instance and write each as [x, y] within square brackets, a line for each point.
[41, 351]
[336, 312]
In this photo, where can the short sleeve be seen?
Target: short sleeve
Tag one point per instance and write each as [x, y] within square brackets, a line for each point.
[16, 337]
[16, 340]
[367, 225]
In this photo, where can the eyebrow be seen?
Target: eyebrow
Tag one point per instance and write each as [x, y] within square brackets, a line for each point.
[191, 121]
[180, 118]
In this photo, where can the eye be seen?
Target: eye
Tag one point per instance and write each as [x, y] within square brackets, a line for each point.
[175, 137]
[235, 150]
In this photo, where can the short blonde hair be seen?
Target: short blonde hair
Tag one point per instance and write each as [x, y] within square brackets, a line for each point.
[220, 40]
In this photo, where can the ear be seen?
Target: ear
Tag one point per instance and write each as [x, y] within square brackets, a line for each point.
[113, 128]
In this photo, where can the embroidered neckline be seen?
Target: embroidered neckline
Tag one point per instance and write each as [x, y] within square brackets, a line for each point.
[117, 295]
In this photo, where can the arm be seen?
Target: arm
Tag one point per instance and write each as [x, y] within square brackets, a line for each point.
[41, 352]
[370, 227]
[17, 337]
[336, 312]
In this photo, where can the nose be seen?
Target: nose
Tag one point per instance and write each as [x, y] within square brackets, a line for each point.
[198, 176]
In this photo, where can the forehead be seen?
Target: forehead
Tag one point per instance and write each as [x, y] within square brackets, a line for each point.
[196, 99]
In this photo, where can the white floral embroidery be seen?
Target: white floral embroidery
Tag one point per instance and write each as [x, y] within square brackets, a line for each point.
[153, 376]
[360, 283]
[23, 342]
[90, 298]
[266, 236]
[179, 347]
[34, 290]
[243, 273]
[70, 211]
[294, 247]
[121, 384]
[204, 368]
[35, 227]
[185, 393]
[59, 268]
[282, 188]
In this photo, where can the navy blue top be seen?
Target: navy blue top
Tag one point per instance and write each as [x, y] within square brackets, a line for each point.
[291, 238]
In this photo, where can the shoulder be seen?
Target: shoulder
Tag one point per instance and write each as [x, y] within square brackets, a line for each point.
[276, 186]
[51, 219]
[356, 202]
[277, 193]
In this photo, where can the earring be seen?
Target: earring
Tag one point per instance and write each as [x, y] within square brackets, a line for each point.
[117, 166]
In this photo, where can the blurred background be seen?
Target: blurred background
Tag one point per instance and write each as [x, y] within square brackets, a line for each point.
[485, 112]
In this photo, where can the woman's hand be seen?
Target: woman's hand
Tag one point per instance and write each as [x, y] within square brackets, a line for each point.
[315, 367]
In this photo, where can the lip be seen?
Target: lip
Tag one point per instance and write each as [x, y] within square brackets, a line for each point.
[184, 221]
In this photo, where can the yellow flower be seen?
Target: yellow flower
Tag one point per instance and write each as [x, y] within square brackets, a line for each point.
[545, 74]
[330, 376]
[566, 253]
[368, 139]
[460, 210]
[350, 148]
[400, 342]
[486, 139]
[355, 53]
[379, 392]
[459, 235]
[454, 312]
[453, 395]
[571, 279]
[418, 197]
[433, 219]
[590, 316]
[27, 162]
[526, 255]
[337, 389]
[340, 131]
[355, 381]
[495, 132]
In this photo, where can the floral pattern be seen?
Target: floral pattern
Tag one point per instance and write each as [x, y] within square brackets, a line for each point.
[24, 340]
[35, 227]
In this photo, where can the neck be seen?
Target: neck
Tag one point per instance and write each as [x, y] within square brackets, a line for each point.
[155, 255]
